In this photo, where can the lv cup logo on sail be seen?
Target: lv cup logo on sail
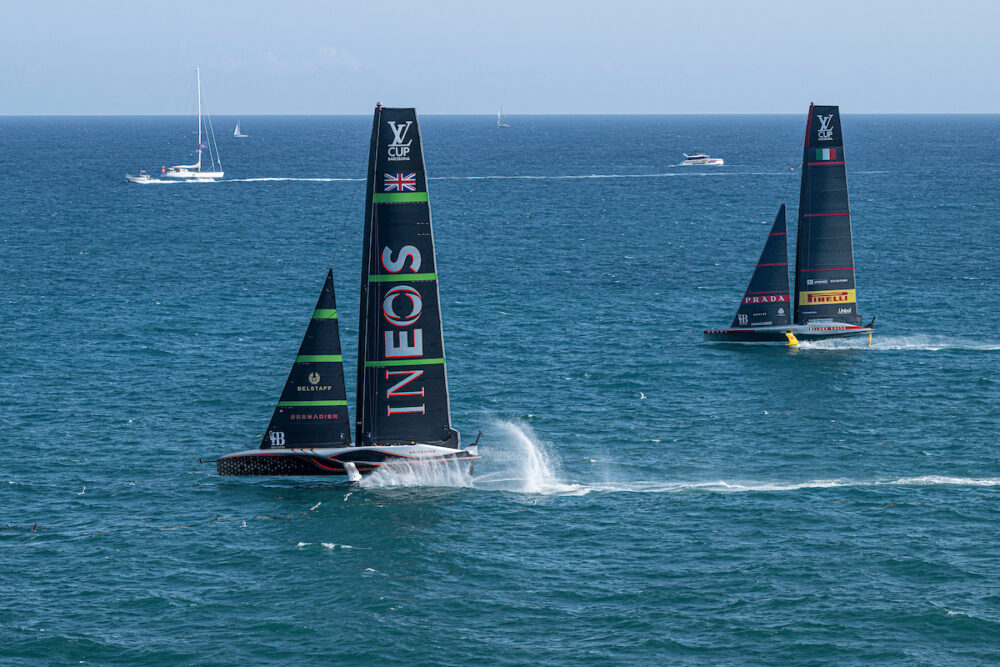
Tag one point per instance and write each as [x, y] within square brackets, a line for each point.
[397, 149]
[825, 132]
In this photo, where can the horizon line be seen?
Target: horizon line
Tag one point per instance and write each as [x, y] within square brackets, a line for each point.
[492, 115]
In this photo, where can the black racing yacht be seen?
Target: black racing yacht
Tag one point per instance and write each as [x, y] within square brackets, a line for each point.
[825, 298]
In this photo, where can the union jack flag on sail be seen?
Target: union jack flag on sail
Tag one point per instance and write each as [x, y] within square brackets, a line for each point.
[401, 182]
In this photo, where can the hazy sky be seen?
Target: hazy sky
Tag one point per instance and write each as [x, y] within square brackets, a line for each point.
[614, 56]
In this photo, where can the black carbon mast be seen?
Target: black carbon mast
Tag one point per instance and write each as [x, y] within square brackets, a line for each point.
[312, 410]
[767, 301]
[824, 267]
[402, 384]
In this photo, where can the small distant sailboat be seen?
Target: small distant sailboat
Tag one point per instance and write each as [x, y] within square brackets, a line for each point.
[402, 415]
[500, 122]
[825, 304]
[194, 172]
[237, 133]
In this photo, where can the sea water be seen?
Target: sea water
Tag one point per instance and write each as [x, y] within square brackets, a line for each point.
[642, 497]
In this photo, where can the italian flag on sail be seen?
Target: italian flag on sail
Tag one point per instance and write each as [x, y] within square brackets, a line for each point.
[826, 153]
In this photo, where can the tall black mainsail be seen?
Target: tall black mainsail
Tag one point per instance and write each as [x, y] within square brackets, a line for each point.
[312, 410]
[824, 266]
[402, 385]
[766, 301]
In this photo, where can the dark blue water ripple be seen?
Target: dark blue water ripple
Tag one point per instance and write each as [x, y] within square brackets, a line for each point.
[830, 504]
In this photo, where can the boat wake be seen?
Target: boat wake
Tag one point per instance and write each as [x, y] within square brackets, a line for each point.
[927, 343]
[516, 460]
[573, 177]
[515, 177]
[721, 486]
[290, 178]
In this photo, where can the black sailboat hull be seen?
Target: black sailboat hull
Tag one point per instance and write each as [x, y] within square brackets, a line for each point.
[803, 332]
[329, 461]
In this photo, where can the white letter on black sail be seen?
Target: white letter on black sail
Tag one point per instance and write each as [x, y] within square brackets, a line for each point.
[406, 252]
[396, 389]
[403, 347]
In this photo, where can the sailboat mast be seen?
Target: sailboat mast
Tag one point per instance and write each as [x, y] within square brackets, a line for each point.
[363, 319]
[198, 73]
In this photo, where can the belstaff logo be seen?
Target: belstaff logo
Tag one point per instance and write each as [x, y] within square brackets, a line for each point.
[827, 298]
[314, 378]
[825, 132]
[397, 149]
[277, 438]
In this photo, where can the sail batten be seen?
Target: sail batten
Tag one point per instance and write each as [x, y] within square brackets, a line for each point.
[825, 285]
[402, 382]
[312, 410]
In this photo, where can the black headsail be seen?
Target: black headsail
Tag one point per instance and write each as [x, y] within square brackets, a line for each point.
[824, 268]
[402, 385]
[767, 301]
[312, 411]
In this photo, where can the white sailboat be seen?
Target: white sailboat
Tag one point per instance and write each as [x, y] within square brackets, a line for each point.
[500, 122]
[194, 171]
[237, 133]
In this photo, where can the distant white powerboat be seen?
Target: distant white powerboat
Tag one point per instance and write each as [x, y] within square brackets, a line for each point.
[696, 159]
[143, 177]
[194, 171]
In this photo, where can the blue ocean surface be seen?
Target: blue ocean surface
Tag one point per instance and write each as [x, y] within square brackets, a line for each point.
[643, 497]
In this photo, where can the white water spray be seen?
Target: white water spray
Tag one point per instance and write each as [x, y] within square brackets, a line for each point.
[514, 459]
[452, 474]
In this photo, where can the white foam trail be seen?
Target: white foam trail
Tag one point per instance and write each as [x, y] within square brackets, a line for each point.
[331, 545]
[515, 459]
[453, 474]
[919, 342]
[570, 177]
[292, 178]
[936, 480]
[489, 177]
[722, 486]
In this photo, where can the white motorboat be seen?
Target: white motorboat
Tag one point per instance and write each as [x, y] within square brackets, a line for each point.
[698, 159]
[142, 177]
